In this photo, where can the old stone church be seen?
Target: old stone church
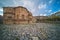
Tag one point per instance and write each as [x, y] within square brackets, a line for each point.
[17, 15]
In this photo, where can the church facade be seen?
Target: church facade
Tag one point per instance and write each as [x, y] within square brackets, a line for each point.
[17, 15]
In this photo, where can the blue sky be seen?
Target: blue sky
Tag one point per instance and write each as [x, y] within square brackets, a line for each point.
[36, 7]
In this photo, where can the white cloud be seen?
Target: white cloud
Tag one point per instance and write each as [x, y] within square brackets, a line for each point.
[58, 10]
[52, 13]
[24, 3]
[15, 2]
[46, 10]
[49, 11]
[1, 14]
[33, 10]
[43, 14]
[1, 9]
[55, 12]
[50, 1]
[42, 6]
[30, 5]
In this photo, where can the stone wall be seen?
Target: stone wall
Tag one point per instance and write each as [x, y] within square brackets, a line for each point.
[17, 15]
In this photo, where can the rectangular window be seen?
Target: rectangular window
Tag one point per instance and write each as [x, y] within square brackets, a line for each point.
[9, 17]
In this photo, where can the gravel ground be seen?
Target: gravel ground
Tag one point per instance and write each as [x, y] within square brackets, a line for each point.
[44, 31]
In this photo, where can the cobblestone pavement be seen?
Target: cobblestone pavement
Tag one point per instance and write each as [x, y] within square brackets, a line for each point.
[43, 31]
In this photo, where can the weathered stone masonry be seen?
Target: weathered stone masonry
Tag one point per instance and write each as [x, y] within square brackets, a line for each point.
[17, 15]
